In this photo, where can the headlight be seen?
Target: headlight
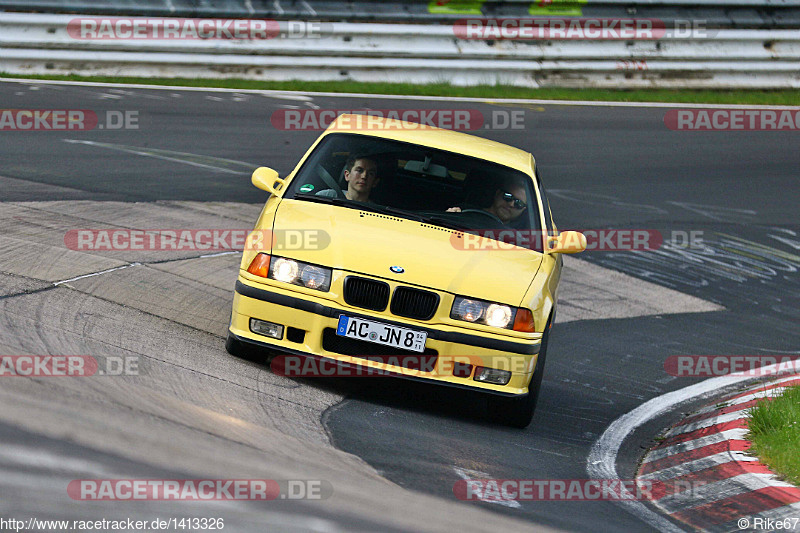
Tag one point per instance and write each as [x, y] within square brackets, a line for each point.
[498, 316]
[480, 312]
[314, 277]
[299, 273]
[285, 270]
[469, 310]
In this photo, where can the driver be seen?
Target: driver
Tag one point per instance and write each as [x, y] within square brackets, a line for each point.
[508, 203]
[361, 175]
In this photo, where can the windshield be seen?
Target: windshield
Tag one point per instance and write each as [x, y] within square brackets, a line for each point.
[421, 183]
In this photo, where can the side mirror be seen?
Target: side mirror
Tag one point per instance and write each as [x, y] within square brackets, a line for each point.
[567, 242]
[267, 179]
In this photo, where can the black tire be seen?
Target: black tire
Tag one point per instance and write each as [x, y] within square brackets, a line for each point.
[518, 412]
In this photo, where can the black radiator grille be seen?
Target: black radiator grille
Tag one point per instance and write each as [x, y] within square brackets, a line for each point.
[366, 293]
[414, 303]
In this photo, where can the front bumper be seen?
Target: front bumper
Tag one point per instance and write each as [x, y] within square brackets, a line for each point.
[310, 320]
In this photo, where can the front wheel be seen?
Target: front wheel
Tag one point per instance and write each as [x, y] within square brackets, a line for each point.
[518, 412]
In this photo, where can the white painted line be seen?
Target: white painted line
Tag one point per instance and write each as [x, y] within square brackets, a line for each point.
[146, 153]
[217, 254]
[472, 475]
[268, 92]
[770, 383]
[298, 97]
[602, 460]
[309, 8]
[93, 274]
[784, 379]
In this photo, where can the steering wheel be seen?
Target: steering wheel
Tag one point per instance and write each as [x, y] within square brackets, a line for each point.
[486, 214]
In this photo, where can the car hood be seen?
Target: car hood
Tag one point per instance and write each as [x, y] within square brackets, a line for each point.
[431, 256]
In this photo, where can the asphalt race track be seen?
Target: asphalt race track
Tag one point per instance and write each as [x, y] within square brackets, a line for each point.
[391, 451]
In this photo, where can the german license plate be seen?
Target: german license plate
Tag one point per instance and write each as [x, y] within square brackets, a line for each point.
[368, 330]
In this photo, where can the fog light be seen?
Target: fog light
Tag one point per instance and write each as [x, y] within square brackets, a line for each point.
[268, 329]
[492, 375]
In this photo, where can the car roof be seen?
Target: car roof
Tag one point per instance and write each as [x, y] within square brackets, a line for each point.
[442, 139]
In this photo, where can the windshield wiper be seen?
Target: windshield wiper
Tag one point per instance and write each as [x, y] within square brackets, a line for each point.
[353, 204]
[425, 219]
[439, 221]
[385, 210]
[363, 206]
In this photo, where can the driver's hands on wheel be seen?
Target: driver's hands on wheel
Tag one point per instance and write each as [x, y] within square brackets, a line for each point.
[477, 211]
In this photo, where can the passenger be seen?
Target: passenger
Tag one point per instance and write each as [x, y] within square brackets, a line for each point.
[361, 175]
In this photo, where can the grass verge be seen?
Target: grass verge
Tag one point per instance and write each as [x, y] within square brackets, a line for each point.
[775, 433]
[772, 97]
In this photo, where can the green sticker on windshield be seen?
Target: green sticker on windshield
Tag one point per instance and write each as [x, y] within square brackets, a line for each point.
[455, 7]
[562, 8]
[307, 188]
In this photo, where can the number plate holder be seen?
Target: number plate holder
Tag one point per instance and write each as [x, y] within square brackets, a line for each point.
[380, 333]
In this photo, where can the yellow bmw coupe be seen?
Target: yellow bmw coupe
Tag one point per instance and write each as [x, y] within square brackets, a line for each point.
[406, 250]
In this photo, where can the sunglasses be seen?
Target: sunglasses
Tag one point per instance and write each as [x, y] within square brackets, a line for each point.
[508, 197]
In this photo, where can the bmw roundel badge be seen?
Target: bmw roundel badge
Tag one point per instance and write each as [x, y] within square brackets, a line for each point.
[397, 269]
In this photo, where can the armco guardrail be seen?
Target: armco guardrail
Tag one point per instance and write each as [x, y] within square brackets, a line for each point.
[752, 14]
[415, 53]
